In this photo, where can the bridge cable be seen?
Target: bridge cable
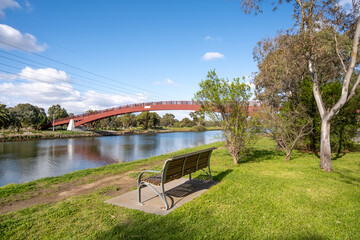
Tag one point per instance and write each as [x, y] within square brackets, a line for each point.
[80, 69]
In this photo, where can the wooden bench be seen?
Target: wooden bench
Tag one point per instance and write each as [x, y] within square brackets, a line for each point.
[174, 168]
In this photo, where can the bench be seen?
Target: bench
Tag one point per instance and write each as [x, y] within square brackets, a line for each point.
[174, 168]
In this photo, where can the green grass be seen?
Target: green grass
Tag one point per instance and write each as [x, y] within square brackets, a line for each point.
[261, 198]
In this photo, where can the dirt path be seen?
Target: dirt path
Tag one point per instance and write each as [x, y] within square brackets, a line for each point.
[61, 191]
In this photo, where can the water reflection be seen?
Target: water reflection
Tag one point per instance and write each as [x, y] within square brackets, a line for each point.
[27, 161]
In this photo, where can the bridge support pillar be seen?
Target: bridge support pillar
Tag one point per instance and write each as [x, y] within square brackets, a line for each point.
[71, 126]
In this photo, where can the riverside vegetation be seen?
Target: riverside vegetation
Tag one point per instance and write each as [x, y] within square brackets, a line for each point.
[11, 136]
[262, 197]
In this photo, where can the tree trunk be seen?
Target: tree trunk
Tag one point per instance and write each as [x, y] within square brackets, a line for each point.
[288, 155]
[236, 159]
[325, 147]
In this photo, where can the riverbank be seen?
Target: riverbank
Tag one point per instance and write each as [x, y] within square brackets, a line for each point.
[261, 198]
[11, 136]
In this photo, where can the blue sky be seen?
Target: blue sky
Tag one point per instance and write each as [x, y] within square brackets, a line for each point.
[99, 54]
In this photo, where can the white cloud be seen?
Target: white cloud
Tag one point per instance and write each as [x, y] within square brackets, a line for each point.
[210, 38]
[16, 39]
[4, 4]
[6, 76]
[44, 74]
[59, 90]
[344, 2]
[166, 82]
[29, 6]
[212, 56]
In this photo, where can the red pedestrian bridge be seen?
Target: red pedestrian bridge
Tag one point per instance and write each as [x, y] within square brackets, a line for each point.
[131, 108]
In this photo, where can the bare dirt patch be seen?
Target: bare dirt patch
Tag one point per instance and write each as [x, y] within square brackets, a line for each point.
[59, 192]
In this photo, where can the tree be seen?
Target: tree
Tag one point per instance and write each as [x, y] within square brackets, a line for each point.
[154, 119]
[198, 118]
[317, 20]
[4, 116]
[286, 126]
[94, 124]
[227, 103]
[128, 120]
[59, 112]
[186, 122]
[344, 124]
[167, 120]
[143, 119]
[27, 115]
[278, 87]
[107, 123]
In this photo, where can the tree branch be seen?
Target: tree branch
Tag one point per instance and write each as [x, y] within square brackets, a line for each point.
[338, 53]
[353, 90]
[345, 88]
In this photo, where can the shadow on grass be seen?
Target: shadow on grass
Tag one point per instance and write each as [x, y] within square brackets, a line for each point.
[303, 236]
[260, 155]
[140, 226]
[344, 176]
[220, 176]
[149, 226]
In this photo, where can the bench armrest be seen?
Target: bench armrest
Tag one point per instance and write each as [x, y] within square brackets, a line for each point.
[151, 171]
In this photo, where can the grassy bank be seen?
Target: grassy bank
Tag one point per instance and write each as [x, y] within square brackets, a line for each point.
[261, 198]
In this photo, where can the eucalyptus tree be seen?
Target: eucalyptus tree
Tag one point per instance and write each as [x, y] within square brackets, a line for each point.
[227, 103]
[128, 120]
[56, 112]
[328, 37]
[167, 120]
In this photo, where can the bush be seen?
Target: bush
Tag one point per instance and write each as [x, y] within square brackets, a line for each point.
[198, 128]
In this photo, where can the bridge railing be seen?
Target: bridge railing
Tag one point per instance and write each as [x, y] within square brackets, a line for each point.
[130, 106]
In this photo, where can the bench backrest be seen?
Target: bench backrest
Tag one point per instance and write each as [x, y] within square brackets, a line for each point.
[181, 165]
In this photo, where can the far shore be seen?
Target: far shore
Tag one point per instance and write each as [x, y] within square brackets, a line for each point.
[29, 135]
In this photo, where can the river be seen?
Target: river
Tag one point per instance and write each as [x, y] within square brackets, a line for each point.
[27, 161]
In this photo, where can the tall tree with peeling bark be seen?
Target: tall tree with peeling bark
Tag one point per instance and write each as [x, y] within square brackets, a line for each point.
[312, 17]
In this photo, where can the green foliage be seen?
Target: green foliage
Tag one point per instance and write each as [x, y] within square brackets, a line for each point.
[148, 119]
[227, 103]
[27, 115]
[198, 118]
[143, 119]
[344, 125]
[167, 120]
[186, 122]
[199, 128]
[287, 125]
[4, 116]
[154, 119]
[59, 112]
[128, 120]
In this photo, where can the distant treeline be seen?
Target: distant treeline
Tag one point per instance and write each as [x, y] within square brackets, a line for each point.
[27, 116]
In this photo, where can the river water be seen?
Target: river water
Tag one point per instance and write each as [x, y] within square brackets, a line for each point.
[27, 161]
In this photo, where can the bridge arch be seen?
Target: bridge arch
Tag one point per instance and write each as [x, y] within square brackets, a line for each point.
[129, 108]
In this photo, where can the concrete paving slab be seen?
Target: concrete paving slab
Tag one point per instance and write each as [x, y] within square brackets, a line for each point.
[179, 192]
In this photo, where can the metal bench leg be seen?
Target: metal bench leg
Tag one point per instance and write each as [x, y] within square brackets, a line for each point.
[139, 193]
[164, 196]
[209, 174]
